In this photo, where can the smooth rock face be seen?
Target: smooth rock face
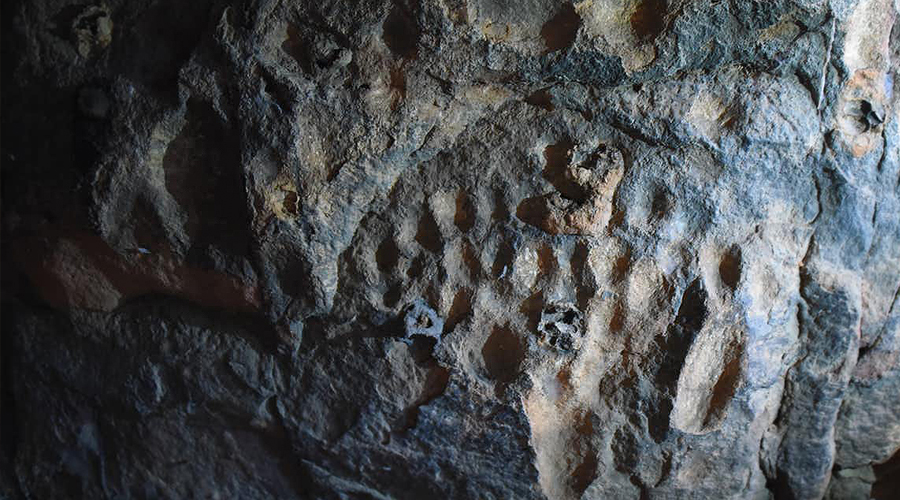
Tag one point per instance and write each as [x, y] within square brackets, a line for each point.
[451, 249]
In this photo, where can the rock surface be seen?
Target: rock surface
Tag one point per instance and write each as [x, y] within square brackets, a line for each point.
[451, 249]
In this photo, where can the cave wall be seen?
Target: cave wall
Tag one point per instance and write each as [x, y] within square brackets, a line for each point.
[451, 249]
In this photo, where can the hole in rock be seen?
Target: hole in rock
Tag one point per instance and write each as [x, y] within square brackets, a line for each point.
[428, 234]
[560, 31]
[392, 296]
[459, 310]
[692, 312]
[504, 260]
[501, 211]
[579, 261]
[503, 354]
[625, 450]
[557, 159]
[465, 212]
[291, 203]
[534, 211]
[541, 99]
[203, 174]
[617, 321]
[730, 268]
[280, 94]
[531, 308]
[397, 86]
[295, 46]
[547, 262]
[617, 218]
[621, 266]
[648, 19]
[584, 278]
[471, 260]
[387, 255]
[416, 267]
[725, 387]
[671, 350]
[400, 32]
[585, 473]
[661, 204]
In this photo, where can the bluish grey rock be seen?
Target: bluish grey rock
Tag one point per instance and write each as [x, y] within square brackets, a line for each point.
[451, 249]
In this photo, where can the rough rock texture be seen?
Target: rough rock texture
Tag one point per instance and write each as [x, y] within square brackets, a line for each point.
[451, 249]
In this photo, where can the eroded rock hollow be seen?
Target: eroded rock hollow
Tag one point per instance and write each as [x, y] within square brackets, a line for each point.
[604, 249]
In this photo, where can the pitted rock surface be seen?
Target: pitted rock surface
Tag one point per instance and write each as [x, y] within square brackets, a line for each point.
[451, 249]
